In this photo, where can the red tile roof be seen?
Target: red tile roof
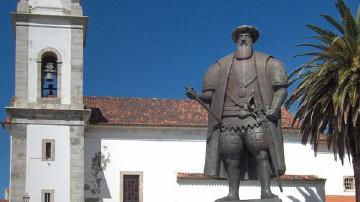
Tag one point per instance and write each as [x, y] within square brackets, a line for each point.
[201, 176]
[152, 112]
[340, 198]
[2, 200]
[140, 111]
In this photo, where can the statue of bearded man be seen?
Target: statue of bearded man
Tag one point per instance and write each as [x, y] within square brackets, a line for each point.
[245, 90]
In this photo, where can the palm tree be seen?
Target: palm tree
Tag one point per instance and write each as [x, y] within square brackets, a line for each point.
[328, 88]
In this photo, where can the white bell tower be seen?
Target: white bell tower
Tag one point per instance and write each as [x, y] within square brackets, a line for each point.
[47, 116]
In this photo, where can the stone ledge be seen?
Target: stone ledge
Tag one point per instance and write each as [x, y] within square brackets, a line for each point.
[41, 18]
[48, 114]
[201, 176]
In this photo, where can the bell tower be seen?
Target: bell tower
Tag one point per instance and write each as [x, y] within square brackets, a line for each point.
[50, 38]
[46, 118]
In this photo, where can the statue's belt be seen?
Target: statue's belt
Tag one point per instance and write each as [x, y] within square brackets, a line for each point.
[241, 110]
[237, 106]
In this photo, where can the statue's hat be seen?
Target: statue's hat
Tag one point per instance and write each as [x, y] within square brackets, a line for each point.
[245, 29]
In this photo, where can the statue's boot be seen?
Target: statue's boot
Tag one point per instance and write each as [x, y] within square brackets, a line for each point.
[233, 191]
[268, 195]
[228, 198]
[264, 173]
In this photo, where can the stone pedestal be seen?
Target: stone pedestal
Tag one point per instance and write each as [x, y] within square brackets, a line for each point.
[256, 200]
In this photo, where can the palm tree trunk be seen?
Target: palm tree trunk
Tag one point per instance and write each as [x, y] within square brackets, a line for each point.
[356, 167]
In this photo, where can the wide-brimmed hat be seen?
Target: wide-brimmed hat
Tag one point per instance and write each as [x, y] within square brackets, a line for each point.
[245, 29]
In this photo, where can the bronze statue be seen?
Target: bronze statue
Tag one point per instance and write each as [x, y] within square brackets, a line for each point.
[244, 92]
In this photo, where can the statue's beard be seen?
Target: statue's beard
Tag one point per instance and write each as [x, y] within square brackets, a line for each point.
[244, 51]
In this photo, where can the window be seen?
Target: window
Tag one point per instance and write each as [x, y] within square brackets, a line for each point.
[48, 86]
[47, 195]
[48, 150]
[131, 186]
[349, 183]
[49, 74]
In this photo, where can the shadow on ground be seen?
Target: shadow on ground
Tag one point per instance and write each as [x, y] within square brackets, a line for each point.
[310, 195]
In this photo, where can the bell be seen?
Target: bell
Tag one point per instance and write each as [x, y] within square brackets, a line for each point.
[49, 70]
[49, 77]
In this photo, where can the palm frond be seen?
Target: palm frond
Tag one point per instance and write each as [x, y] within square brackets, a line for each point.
[335, 23]
[326, 35]
[309, 54]
[356, 114]
[312, 45]
[328, 89]
[358, 16]
[307, 64]
[340, 5]
[353, 95]
[357, 20]
[349, 23]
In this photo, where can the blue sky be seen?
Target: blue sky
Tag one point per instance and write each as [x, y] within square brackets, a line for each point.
[153, 48]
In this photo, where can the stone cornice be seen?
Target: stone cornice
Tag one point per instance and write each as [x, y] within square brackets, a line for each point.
[68, 21]
[48, 114]
[49, 19]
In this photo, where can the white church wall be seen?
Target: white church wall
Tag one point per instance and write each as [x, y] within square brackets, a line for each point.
[50, 175]
[159, 154]
[60, 39]
[162, 152]
[300, 160]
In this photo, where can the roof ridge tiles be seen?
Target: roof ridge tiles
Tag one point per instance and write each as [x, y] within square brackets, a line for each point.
[136, 98]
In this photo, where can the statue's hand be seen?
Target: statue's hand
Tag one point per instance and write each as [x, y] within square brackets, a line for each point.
[206, 96]
[191, 93]
[272, 114]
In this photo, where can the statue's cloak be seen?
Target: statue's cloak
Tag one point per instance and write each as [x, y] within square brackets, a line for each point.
[216, 80]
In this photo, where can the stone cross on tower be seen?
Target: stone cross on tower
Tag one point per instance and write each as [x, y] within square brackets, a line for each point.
[47, 116]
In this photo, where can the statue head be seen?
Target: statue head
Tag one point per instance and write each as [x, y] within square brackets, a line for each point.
[245, 29]
[244, 37]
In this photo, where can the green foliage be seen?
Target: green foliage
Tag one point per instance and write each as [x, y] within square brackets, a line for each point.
[329, 88]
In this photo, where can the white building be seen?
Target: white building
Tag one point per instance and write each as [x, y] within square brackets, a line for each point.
[67, 148]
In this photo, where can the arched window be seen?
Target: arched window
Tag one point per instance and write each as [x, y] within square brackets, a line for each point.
[49, 80]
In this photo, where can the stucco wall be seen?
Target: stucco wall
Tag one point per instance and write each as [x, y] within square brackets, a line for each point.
[159, 157]
[53, 175]
[162, 152]
[300, 160]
